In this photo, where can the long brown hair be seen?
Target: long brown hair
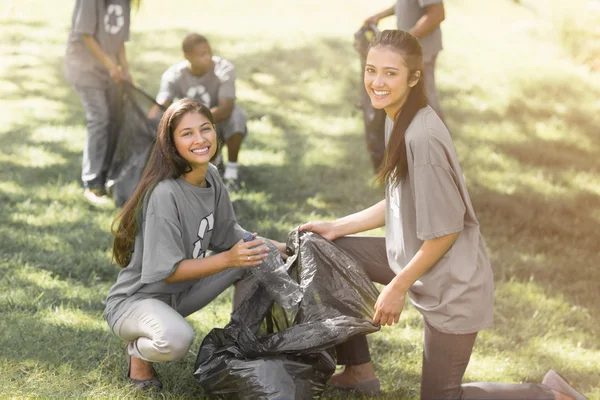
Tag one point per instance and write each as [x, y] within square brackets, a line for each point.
[164, 163]
[394, 168]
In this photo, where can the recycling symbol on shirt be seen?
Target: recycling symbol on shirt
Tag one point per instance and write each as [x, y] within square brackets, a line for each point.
[114, 19]
[199, 93]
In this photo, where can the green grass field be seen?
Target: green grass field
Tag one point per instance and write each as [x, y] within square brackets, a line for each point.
[524, 114]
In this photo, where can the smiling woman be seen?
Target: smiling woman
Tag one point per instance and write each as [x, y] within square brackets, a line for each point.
[179, 211]
[195, 140]
[433, 250]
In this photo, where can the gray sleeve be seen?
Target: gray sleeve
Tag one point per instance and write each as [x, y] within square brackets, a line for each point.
[85, 18]
[163, 248]
[425, 3]
[227, 231]
[227, 76]
[167, 91]
[439, 205]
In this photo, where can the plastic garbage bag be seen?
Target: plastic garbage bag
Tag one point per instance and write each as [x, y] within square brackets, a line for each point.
[135, 139]
[374, 120]
[270, 352]
[272, 273]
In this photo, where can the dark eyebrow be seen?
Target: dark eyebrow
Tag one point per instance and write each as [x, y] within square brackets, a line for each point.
[190, 127]
[394, 68]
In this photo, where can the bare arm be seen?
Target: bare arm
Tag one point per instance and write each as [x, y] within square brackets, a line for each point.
[223, 110]
[155, 109]
[241, 255]
[374, 19]
[96, 50]
[428, 255]
[390, 303]
[122, 57]
[370, 218]
[430, 21]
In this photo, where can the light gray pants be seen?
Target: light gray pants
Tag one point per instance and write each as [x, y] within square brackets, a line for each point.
[157, 331]
[445, 356]
[235, 124]
[100, 104]
[430, 88]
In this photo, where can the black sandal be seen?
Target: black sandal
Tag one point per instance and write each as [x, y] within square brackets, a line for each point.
[143, 384]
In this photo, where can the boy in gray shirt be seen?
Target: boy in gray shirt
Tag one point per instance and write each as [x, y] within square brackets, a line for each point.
[95, 59]
[209, 79]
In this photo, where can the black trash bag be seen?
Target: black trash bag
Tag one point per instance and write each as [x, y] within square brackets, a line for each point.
[270, 352]
[134, 141]
[273, 274]
[374, 120]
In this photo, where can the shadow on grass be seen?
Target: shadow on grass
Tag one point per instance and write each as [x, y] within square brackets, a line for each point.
[526, 232]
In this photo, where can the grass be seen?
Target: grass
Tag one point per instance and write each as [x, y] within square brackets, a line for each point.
[523, 113]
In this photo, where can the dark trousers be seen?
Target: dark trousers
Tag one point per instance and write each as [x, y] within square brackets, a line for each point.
[445, 356]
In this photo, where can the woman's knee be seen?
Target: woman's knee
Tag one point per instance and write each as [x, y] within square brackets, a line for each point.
[174, 342]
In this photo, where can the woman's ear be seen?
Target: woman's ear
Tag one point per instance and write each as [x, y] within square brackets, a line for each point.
[414, 79]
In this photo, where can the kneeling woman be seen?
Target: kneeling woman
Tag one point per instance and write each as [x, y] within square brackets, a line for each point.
[433, 249]
[179, 210]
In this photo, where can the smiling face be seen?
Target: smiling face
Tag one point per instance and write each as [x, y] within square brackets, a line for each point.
[387, 80]
[195, 139]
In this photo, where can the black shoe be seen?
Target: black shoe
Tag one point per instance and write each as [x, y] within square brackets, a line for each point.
[143, 384]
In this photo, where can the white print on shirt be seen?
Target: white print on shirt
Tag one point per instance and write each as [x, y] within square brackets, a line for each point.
[394, 202]
[199, 93]
[206, 225]
[114, 24]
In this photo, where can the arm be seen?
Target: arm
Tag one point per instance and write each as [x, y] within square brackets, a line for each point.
[122, 57]
[241, 255]
[223, 110]
[165, 95]
[96, 50]
[371, 218]
[379, 16]
[156, 109]
[430, 21]
[391, 300]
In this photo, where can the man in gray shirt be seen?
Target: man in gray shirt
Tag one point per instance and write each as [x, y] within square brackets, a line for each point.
[422, 18]
[211, 80]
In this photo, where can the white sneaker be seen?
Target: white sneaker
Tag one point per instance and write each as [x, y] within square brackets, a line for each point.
[231, 172]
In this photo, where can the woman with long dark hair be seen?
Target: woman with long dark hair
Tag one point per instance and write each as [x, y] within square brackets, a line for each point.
[433, 249]
[179, 211]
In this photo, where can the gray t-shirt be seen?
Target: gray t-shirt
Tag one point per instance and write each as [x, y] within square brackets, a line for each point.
[408, 12]
[107, 21]
[457, 294]
[180, 221]
[179, 82]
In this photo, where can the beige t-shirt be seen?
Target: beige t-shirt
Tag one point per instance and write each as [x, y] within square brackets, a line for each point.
[457, 294]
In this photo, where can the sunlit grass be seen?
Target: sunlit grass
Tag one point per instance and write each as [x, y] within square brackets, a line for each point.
[524, 118]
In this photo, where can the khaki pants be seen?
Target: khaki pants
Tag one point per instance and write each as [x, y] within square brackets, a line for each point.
[157, 331]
